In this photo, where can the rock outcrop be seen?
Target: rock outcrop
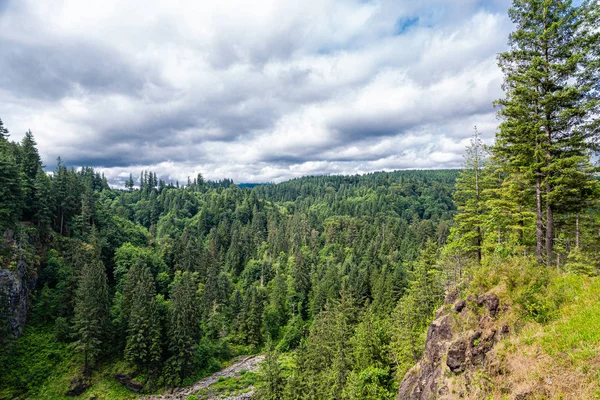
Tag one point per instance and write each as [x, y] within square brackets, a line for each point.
[14, 292]
[459, 341]
[15, 285]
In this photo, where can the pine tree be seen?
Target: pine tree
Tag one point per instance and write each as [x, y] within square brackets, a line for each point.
[42, 200]
[272, 381]
[3, 132]
[253, 313]
[468, 196]
[415, 309]
[184, 327]
[143, 332]
[551, 80]
[11, 195]
[129, 183]
[91, 311]
[30, 165]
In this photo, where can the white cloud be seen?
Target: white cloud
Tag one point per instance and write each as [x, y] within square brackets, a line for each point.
[255, 91]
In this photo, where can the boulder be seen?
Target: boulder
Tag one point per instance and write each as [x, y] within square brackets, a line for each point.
[460, 305]
[13, 301]
[490, 301]
[457, 355]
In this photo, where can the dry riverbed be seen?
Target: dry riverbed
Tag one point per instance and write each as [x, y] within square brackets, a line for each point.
[206, 389]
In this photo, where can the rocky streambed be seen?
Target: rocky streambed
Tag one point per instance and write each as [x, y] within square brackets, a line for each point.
[236, 369]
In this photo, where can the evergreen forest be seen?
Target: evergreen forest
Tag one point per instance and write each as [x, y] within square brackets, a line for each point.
[334, 279]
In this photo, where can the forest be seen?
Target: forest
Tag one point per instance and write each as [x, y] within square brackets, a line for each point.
[334, 278]
[175, 278]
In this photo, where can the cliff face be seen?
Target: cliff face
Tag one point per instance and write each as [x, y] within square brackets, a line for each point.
[14, 295]
[13, 298]
[460, 343]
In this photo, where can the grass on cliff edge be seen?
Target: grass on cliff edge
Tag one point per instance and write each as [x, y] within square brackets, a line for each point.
[555, 317]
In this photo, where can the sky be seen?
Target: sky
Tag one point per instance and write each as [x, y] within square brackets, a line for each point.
[255, 91]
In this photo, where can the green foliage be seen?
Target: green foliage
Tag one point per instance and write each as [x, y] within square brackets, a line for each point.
[143, 346]
[580, 262]
[91, 312]
[344, 270]
[272, 381]
[546, 134]
[25, 364]
[184, 328]
[201, 272]
[415, 310]
[371, 383]
[467, 233]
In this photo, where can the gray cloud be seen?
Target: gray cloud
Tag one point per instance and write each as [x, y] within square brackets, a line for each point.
[255, 92]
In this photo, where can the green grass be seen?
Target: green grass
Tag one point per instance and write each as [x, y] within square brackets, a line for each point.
[577, 331]
[37, 367]
[231, 385]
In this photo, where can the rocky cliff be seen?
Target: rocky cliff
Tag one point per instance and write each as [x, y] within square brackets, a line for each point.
[460, 343]
[13, 302]
[15, 286]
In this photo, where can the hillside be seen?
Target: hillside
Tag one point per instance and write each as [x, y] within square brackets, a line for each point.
[478, 283]
[164, 282]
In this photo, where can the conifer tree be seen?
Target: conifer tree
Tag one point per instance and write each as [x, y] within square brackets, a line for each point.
[11, 196]
[42, 200]
[91, 311]
[30, 165]
[271, 376]
[129, 183]
[468, 196]
[415, 309]
[184, 327]
[3, 132]
[143, 332]
[551, 80]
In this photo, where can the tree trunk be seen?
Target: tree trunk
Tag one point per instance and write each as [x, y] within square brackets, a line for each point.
[549, 230]
[577, 231]
[478, 244]
[539, 232]
[547, 123]
[85, 363]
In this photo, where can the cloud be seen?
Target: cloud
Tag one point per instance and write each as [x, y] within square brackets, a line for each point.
[260, 91]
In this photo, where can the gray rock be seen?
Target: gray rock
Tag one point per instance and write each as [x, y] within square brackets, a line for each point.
[457, 354]
[13, 301]
[459, 306]
[481, 344]
[422, 382]
[490, 301]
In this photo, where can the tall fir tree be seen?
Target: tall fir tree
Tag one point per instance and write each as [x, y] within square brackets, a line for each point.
[30, 165]
[551, 83]
[184, 327]
[91, 311]
[143, 332]
[469, 199]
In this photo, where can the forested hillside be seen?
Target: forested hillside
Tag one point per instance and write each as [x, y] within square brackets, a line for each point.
[478, 283]
[168, 280]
